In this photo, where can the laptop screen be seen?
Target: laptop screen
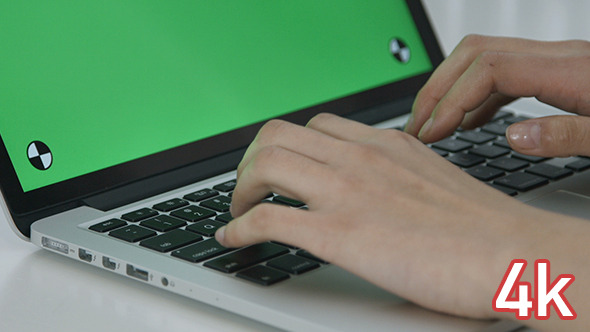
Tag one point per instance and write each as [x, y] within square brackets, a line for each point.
[87, 85]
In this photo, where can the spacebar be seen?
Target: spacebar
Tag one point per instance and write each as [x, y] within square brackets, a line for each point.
[246, 257]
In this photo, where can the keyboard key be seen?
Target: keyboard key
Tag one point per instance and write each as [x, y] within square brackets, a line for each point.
[307, 254]
[193, 213]
[219, 203]
[108, 225]
[132, 233]
[200, 195]
[476, 137]
[530, 159]
[506, 190]
[452, 145]
[226, 186]
[246, 257]
[521, 181]
[163, 223]
[293, 264]
[201, 251]
[484, 173]
[225, 217]
[285, 245]
[515, 119]
[440, 152]
[205, 227]
[171, 240]
[263, 275]
[140, 214]
[495, 128]
[503, 142]
[549, 171]
[489, 151]
[288, 201]
[465, 159]
[508, 164]
[579, 165]
[170, 205]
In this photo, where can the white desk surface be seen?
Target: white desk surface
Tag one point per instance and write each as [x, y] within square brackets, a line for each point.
[43, 291]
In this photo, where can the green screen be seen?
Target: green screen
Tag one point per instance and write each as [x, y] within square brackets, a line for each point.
[105, 82]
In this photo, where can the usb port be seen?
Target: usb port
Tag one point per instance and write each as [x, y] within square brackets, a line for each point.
[85, 255]
[109, 263]
[137, 273]
[55, 245]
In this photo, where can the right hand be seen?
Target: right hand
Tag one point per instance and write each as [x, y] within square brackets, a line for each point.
[485, 73]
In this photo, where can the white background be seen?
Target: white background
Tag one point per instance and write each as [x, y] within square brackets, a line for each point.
[43, 291]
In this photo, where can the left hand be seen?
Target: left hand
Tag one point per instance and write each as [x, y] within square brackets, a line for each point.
[484, 73]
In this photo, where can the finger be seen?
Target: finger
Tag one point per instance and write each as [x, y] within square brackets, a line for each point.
[553, 136]
[485, 112]
[383, 140]
[560, 84]
[278, 170]
[355, 132]
[267, 222]
[311, 143]
[464, 54]
[341, 128]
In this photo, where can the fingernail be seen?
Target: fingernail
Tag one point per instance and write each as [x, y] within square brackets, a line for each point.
[524, 135]
[426, 128]
[410, 124]
[220, 234]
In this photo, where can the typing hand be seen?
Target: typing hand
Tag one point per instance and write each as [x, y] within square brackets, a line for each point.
[383, 206]
[485, 73]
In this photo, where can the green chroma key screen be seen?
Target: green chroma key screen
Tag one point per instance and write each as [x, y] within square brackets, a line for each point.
[100, 83]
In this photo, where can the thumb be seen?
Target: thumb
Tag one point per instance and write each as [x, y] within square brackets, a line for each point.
[552, 136]
[266, 222]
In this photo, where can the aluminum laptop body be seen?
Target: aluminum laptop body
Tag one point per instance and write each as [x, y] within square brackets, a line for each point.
[110, 107]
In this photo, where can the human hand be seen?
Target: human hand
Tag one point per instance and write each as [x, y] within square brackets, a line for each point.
[383, 206]
[484, 73]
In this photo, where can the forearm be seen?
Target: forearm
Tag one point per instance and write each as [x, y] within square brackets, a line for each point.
[563, 242]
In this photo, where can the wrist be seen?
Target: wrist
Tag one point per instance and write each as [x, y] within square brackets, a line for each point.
[556, 239]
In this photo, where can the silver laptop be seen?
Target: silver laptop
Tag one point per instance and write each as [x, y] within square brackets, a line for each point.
[122, 123]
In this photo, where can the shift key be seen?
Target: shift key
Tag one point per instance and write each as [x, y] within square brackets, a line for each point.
[246, 257]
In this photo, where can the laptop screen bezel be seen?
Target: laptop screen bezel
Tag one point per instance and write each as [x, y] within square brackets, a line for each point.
[25, 207]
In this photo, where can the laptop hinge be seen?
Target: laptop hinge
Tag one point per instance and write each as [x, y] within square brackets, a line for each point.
[384, 112]
[158, 184]
[218, 165]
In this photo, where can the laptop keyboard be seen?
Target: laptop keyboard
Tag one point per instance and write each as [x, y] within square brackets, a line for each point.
[184, 228]
[485, 154]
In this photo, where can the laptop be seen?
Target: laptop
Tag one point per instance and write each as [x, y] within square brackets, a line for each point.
[122, 124]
